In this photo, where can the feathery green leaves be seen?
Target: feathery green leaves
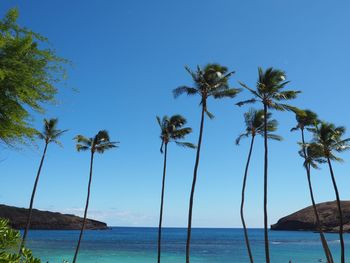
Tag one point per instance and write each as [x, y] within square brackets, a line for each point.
[50, 134]
[29, 71]
[211, 81]
[254, 122]
[269, 90]
[305, 118]
[330, 138]
[172, 130]
[99, 143]
[314, 155]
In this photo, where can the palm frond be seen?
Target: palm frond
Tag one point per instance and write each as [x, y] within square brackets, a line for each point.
[241, 103]
[83, 140]
[209, 114]
[241, 136]
[251, 90]
[101, 148]
[184, 90]
[186, 144]
[283, 107]
[294, 128]
[81, 147]
[172, 129]
[159, 121]
[228, 93]
[180, 133]
[285, 95]
[57, 142]
[193, 74]
[274, 137]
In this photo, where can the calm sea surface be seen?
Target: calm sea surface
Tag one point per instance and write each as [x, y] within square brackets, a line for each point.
[139, 245]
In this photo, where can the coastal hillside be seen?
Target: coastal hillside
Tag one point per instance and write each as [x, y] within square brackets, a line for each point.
[47, 220]
[304, 219]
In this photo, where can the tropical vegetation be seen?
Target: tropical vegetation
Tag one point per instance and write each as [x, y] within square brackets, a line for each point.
[329, 138]
[97, 144]
[30, 70]
[49, 135]
[9, 240]
[254, 122]
[311, 155]
[211, 81]
[171, 130]
[270, 92]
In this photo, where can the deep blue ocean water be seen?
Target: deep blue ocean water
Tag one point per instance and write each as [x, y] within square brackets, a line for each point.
[139, 245]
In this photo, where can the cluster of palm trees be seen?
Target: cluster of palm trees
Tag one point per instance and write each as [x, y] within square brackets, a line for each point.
[212, 81]
[97, 144]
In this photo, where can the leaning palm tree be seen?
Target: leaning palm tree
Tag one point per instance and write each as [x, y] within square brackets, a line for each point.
[305, 119]
[97, 144]
[254, 121]
[330, 138]
[50, 134]
[269, 91]
[211, 81]
[172, 130]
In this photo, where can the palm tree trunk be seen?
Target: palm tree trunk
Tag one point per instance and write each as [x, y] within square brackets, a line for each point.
[342, 247]
[32, 200]
[242, 202]
[266, 235]
[161, 203]
[318, 222]
[194, 185]
[86, 209]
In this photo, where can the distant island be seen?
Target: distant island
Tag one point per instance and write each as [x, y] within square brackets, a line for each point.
[46, 220]
[304, 219]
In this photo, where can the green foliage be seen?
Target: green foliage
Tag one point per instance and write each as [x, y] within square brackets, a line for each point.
[212, 81]
[254, 121]
[99, 143]
[330, 138]
[269, 90]
[172, 130]
[50, 133]
[29, 70]
[305, 118]
[314, 155]
[9, 240]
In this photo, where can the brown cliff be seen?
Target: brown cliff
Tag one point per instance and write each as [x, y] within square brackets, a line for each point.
[47, 220]
[304, 219]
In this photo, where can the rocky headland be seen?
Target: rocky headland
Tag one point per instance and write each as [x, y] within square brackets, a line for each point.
[304, 219]
[46, 220]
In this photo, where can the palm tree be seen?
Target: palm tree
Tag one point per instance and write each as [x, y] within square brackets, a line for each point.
[254, 121]
[211, 81]
[269, 91]
[49, 135]
[310, 154]
[329, 137]
[172, 130]
[97, 144]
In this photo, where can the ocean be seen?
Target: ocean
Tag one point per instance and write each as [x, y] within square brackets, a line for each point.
[209, 245]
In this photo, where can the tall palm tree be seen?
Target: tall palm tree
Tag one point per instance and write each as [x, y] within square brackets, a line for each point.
[330, 138]
[97, 144]
[50, 134]
[254, 121]
[305, 119]
[211, 81]
[172, 130]
[269, 91]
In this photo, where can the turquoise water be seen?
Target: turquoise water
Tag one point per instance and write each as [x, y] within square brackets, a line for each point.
[139, 245]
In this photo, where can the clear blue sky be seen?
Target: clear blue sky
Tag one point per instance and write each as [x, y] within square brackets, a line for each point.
[129, 55]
